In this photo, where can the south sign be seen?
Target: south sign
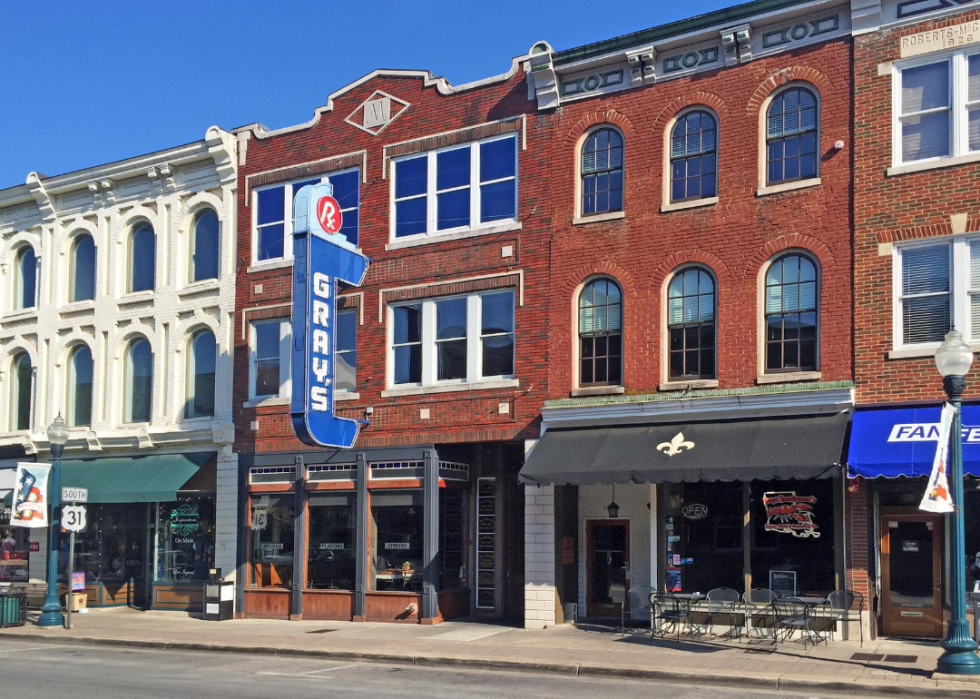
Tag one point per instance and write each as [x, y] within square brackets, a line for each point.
[322, 258]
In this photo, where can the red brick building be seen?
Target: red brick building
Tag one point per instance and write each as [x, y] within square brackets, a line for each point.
[700, 313]
[443, 350]
[916, 217]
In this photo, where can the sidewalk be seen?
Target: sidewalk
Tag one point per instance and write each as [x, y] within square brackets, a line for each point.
[581, 650]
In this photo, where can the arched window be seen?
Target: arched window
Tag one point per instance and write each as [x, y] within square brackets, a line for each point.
[80, 369]
[691, 325]
[204, 246]
[600, 332]
[694, 157]
[83, 269]
[792, 298]
[602, 172]
[25, 278]
[791, 136]
[139, 381]
[21, 391]
[200, 375]
[142, 258]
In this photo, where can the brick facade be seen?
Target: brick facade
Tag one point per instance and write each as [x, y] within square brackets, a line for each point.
[734, 237]
[436, 268]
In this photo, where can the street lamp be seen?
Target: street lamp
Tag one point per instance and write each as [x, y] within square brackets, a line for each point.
[953, 359]
[51, 609]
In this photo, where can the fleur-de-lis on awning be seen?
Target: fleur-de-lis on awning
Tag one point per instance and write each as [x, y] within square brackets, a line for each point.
[675, 446]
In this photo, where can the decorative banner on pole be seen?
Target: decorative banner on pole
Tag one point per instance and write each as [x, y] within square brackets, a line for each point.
[937, 497]
[31, 496]
[322, 257]
[789, 513]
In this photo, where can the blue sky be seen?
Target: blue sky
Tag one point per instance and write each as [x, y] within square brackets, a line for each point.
[84, 83]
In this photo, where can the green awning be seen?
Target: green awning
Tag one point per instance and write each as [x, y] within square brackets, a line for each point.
[8, 499]
[156, 478]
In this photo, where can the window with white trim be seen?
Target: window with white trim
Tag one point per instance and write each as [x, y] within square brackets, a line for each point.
[268, 375]
[272, 237]
[458, 339]
[937, 107]
[937, 287]
[345, 352]
[455, 188]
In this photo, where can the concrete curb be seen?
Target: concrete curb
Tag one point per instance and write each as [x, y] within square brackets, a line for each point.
[771, 682]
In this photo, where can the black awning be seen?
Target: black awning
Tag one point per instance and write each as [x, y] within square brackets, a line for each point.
[762, 449]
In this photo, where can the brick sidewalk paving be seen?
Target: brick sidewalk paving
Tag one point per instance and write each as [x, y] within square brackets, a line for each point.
[880, 667]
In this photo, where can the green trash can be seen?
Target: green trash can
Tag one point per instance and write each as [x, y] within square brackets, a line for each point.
[13, 609]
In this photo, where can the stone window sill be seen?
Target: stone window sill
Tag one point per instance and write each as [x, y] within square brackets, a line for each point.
[346, 395]
[266, 402]
[787, 187]
[789, 377]
[951, 161]
[684, 385]
[450, 388]
[14, 316]
[433, 238]
[683, 205]
[598, 391]
[199, 288]
[136, 297]
[77, 307]
[266, 265]
[598, 218]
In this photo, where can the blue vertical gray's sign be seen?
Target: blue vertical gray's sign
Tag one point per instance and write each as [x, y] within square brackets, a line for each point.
[320, 260]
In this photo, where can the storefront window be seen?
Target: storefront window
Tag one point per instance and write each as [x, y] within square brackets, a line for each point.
[332, 561]
[271, 521]
[185, 540]
[793, 536]
[397, 526]
[704, 536]
[112, 547]
[14, 545]
[452, 534]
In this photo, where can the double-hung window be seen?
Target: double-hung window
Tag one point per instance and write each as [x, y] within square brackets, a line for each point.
[458, 339]
[345, 353]
[269, 365]
[937, 108]
[273, 215]
[937, 287]
[456, 188]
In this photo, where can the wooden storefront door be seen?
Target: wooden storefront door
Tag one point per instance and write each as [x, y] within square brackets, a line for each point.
[607, 566]
[911, 580]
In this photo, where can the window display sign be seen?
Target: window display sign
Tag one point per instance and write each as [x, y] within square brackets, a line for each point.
[695, 511]
[322, 258]
[789, 513]
[30, 496]
[674, 580]
[486, 507]
[78, 581]
[185, 520]
[783, 582]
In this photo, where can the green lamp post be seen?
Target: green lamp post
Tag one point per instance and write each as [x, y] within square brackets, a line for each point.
[953, 359]
[51, 609]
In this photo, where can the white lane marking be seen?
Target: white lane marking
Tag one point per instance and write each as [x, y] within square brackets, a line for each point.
[306, 674]
[21, 650]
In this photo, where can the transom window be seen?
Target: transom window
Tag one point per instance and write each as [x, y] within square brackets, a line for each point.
[80, 371]
[456, 339]
[937, 107]
[791, 298]
[269, 364]
[142, 258]
[273, 230]
[791, 136]
[82, 281]
[25, 279]
[600, 330]
[691, 325]
[205, 246]
[694, 157]
[456, 188]
[602, 172]
[139, 381]
[937, 287]
[21, 391]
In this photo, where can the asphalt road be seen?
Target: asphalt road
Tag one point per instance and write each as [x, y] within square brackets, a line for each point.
[88, 672]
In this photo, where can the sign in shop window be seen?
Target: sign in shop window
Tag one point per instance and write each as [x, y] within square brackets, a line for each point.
[789, 513]
[486, 523]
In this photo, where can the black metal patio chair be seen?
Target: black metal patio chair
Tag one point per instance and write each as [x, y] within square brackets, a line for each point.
[638, 604]
[722, 601]
[791, 615]
[841, 602]
[759, 613]
[668, 611]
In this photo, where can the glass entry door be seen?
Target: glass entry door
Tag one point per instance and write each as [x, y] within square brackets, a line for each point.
[911, 575]
[608, 561]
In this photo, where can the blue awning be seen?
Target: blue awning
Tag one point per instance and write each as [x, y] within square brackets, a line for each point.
[902, 442]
